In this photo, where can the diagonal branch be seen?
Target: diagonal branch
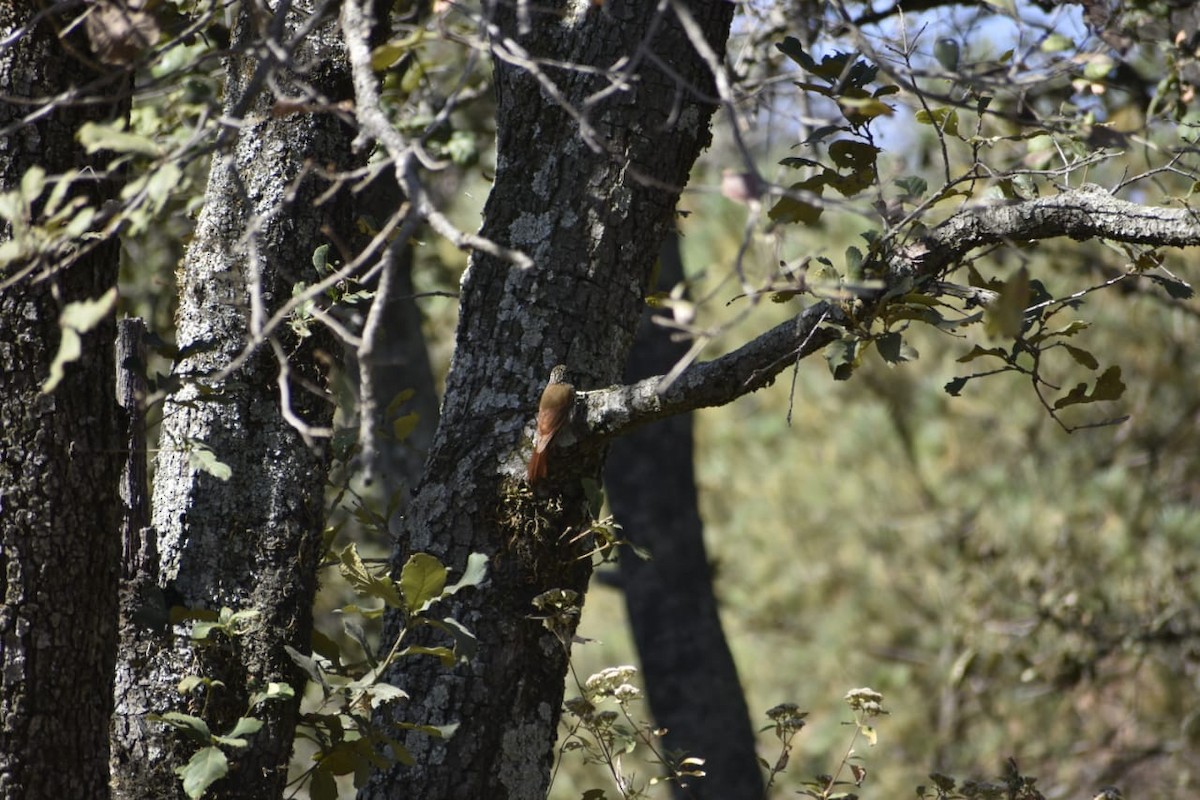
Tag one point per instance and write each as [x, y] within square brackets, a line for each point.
[1086, 213]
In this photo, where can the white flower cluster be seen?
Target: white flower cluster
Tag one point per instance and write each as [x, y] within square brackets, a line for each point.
[868, 701]
[613, 682]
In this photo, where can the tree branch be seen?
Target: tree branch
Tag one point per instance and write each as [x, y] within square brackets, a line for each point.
[1086, 213]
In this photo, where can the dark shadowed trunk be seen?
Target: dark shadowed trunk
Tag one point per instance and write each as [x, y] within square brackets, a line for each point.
[691, 680]
[60, 453]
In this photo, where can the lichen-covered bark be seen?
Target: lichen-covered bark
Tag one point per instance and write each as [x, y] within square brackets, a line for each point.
[60, 458]
[253, 541]
[589, 202]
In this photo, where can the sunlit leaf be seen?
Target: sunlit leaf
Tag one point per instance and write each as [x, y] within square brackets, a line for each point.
[202, 458]
[94, 136]
[207, 766]
[422, 580]
[1056, 43]
[473, 575]
[77, 318]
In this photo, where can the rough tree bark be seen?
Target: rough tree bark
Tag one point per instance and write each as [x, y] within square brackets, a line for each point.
[253, 541]
[588, 173]
[690, 677]
[60, 453]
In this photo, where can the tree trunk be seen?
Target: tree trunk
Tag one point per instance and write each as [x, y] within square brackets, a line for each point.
[251, 541]
[691, 679]
[588, 196]
[397, 359]
[60, 453]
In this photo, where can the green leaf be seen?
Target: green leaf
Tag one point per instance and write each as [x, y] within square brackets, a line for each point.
[246, 725]
[364, 581]
[853, 154]
[188, 683]
[473, 575]
[1109, 386]
[320, 259]
[205, 767]
[894, 349]
[1070, 329]
[945, 119]
[94, 136]
[323, 646]
[359, 634]
[444, 654]
[436, 731]
[421, 581]
[76, 319]
[322, 786]
[841, 356]
[980, 352]
[344, 757]
[822, 133]
[230, 741]
[382, 693]
[1177, 289]
[32, 184]
[954, 387]
[202, 458]
[860, 109]
[162, 184]
[402, 427]
[913, 185]
[1082, 357]
[387, 55]
[10, 251]
[1005, 318]
[194, 727]
[70, 348]
[276, 690]
[80, 223]
[462, 148]
[790, 210]
[308, 664]
[1056, 43]
[87, 314]
[402, 397]
[1097, 67]
[796, 162]
[793, 49]
[854, 262]
[465, 643]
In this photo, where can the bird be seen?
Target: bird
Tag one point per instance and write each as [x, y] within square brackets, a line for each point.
[554, 411]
